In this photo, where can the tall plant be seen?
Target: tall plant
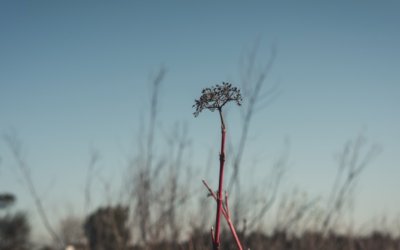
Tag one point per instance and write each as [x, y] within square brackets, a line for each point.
[214, 99]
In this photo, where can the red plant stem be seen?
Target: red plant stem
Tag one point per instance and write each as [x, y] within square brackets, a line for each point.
[216, 243]
[226, 213]
[233, 231]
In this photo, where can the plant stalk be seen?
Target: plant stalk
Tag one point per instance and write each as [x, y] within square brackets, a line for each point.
[217, 242]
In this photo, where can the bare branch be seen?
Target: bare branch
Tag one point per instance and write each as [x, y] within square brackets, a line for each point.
[352, 162]
[15, 147]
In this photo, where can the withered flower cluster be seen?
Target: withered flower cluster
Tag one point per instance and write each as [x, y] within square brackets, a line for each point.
[216, 97]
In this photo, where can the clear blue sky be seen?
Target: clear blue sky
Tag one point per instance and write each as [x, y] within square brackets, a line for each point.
[74, 76]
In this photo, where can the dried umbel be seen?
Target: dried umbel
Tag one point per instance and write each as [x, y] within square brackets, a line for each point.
[216, 97]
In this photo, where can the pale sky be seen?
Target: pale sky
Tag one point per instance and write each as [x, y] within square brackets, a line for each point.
[74, 76]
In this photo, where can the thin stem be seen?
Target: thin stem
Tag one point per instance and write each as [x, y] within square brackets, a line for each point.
[216, 243]
[222, 121]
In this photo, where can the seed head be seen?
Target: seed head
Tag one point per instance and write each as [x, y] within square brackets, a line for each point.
[216, 97]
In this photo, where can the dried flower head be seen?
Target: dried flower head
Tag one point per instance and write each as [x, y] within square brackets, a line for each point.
[216, 97]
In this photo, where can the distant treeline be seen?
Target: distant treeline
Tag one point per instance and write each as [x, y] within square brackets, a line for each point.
[282, 241]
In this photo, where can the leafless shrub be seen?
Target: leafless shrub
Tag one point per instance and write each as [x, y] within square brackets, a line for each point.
[295, 212]
[15, 146]
[352, 161]
[157, 189]
[107, 228]
[14, 232]
[257, 94]
[71, 230]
